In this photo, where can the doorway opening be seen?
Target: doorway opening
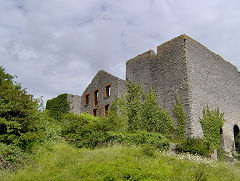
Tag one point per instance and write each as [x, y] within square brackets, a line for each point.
[236, 138]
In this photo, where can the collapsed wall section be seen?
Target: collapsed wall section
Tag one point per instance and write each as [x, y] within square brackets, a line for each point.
[216, 83]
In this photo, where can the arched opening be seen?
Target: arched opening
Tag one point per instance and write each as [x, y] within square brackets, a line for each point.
[236, 138]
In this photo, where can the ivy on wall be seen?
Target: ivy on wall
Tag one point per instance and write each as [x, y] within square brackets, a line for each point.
[181, 118]
[212, 121]
[58, 106]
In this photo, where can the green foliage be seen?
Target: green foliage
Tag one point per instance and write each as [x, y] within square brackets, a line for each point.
[88, 131]
[58, 106]
[50, 128]
[64, 162]
[139, 111]
[133, 106]
[84, 130]
[149, 150]
[200, 175]
[11, 157]
[181, 118]
[19, 114]
[212, 121]
[116, 118]
[153, 118]
[140, 138]
[194, 146]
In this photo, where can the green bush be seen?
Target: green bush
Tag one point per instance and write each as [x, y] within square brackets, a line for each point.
[153, 118]
[116, 119]
[19, 113]
[181, 118]
[140, 138]
[84, 130]
[212, 121]
[133, 106]
[149, 150]
[11, 156]
[58, 106]
[139, 111]
[194, 146]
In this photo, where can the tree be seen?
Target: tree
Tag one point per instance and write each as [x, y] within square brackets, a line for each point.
[133, 106]
[19, 113]
[153, 118]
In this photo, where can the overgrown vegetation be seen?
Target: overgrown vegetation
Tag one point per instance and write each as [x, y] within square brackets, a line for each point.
[181, 118]
[58, 106]
[194, 146]
[137, 110]
[19, 114]
[88, 131]
[61, 161]
[212, 122]
[51, 144]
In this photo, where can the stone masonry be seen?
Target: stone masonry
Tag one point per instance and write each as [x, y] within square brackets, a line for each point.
[198, 76]
[183, 67]
[102, 82]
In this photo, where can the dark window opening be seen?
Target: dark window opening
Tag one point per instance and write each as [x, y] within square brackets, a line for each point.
[107, 90]
[95, 97]
[94, 112]
[106, 108]
[236, 138]
[87, 99]
[221, 139]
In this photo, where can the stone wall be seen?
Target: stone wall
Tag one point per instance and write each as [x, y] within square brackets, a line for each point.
[165, 71]
[99, 83]
[75, 103]
[216, 83]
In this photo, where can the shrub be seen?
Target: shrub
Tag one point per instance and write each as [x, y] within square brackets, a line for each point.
[133, 106]
[11, 156]
[149, 150]
[181, 118]
[139, 111]
[153, 118]
[19, 113]
[84, 130]
[140, 138]
[116, 119]
[212, 121]
[194, 146]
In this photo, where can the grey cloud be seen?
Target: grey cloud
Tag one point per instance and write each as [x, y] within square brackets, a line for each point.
[57, 46]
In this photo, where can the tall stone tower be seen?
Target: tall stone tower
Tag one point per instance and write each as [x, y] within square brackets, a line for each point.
[198, 76]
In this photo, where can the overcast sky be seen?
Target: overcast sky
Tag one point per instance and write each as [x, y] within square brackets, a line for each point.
[57, 46]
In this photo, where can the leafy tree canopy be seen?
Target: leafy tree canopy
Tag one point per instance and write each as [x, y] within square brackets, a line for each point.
[19, 113]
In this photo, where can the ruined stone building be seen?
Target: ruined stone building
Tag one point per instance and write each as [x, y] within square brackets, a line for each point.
[180, 66]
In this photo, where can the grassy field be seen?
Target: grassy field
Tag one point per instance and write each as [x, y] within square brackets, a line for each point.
[60, 161]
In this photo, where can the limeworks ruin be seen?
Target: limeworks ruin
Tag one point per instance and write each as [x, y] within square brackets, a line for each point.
[180, 66]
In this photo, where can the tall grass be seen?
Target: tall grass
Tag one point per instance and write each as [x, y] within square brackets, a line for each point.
[60, 161]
